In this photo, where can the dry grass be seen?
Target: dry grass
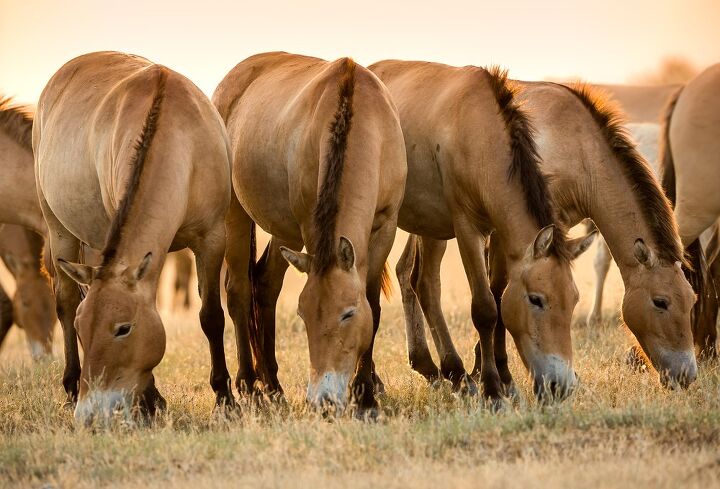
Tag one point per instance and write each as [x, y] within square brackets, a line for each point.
[620, 429]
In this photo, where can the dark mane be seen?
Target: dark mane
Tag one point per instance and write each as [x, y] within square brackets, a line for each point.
[667, 166]
[16, 121]
[328, 205]
[142, 146]
[653, 203]
[525, 158]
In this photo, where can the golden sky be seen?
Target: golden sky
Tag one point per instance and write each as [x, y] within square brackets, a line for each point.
[600, 41]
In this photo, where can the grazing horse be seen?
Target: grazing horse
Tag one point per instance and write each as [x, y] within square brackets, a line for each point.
[319, 162]
[691, 172]
[19, 206]
[33, 305]
[472, 170]
[601, 176]
[131, 159]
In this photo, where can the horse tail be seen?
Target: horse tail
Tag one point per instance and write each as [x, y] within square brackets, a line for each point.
[667, 166]
[386, 282]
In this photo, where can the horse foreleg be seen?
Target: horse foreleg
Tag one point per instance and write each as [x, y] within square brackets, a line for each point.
[483, 308]
[270, 272]
[67, 298]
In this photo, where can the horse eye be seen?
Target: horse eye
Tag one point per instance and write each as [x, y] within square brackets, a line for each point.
[122, 330]
[660, 303]
[536, 301]
[347, 315]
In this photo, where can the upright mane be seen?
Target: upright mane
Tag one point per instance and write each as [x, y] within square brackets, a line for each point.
[653, 203]
[525, 158]
[328, 203]
[16, 121]
[142, 147]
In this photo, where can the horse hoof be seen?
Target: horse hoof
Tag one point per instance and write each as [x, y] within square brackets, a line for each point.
[369, 415]
[466, 387]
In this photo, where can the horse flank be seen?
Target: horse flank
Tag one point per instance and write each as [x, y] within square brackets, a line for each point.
[16, 121]
[328, 204]
[525, 159]
[652, 201]
[142, 147]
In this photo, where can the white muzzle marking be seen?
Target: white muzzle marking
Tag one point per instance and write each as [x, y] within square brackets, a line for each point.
[677, 367]
[330, 389]
[100, 406]
[37, 350]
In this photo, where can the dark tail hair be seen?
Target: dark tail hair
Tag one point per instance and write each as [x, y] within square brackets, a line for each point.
[256, 337]
[667, 165]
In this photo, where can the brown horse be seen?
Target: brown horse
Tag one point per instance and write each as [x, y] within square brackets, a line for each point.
[19, 205]
[472, 170]
[691, 170]
[130, 158]
[33, 302]
[603, 177]
[319, 162]
[18, 197]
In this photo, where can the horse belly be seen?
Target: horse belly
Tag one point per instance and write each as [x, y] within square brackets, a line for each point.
[265, 196]
[424, 210]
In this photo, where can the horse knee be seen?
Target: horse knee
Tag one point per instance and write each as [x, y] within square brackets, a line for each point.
[484, 313]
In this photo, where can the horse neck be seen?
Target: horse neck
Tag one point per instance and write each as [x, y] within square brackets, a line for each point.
[617, 212]
[157, 212]
[514, 226]
[18, 195]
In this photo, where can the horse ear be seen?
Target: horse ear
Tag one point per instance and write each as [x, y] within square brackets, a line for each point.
[644, 254]
[142, 268]
[301, 261]
[346, 254]
[82, 274]
[543, 241]
[578, 246]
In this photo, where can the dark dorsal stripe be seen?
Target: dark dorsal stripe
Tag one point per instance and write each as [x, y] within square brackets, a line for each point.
[526, 161]
[142, 147]
[328, 204]
[652, 202]
[16, 121]
[667, 165]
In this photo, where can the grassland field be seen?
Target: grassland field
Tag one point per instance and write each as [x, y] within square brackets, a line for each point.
[620, 429]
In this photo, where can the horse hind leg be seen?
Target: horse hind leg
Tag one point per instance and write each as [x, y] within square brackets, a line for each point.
[429, 292]
[408, 271]
[209, 257]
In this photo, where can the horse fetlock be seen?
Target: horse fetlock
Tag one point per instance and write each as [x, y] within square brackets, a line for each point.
[422, 363]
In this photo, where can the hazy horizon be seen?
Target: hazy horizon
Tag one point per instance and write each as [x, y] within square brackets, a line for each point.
[607, 42]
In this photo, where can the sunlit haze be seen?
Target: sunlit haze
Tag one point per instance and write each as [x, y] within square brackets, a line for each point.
[606, 41]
